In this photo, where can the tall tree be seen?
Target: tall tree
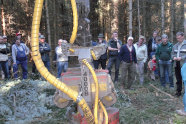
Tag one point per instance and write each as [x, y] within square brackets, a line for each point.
[172, 20]
[162, 16]
[48, 22]
[144, 17]
[130, 17]
[139, 23]
[185, 17]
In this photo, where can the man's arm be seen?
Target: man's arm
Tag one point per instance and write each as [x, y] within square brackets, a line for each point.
[146, 55]
[14, 54]
[47, 48]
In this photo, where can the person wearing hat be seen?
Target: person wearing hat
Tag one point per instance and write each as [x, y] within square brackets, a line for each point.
[44, 49]
[4, 51]
[114, 46]
[19, 56]
[103, 58]
[128, 62]
[179, 56]
[141, 55]
[163, 58]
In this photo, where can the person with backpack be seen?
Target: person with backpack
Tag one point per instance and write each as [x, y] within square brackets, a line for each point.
[19, 56]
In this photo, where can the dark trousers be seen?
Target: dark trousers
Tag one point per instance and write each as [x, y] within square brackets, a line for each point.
[5, 68]
[100, 61]
[23, 66]
[47, 64]
[178, 77]
[114, 60]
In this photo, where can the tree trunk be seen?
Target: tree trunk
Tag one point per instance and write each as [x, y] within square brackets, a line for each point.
[185, 18]
[172, 20]
[144, 18]
[162, 17]
[139, 24]
[48, 22]
[130, 17]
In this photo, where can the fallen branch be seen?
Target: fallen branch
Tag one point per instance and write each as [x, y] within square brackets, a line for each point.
[162, 91]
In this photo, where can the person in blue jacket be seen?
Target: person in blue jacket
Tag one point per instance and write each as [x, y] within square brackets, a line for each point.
[183, 73]
[44, 49]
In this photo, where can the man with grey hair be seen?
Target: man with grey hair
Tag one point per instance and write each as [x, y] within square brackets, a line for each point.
[62, 57]
[163, 57]
[179, 56]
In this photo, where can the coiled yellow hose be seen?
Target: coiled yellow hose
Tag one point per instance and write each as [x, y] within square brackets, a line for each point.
[96, 94]
[42, 69]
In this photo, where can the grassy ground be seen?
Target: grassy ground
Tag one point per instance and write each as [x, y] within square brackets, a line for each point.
[138, 105]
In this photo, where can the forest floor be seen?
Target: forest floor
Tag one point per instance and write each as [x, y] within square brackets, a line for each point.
[147, 104]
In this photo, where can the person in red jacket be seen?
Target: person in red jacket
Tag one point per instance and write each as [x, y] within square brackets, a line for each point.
[152, 67]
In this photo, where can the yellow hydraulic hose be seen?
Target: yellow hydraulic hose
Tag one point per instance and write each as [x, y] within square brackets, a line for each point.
[75, 21]
[105, 111]
[45, 73]
[97, 90]
[93, 55]
[96, 94]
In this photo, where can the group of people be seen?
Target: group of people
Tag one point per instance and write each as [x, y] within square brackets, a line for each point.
[163, 57]
[11, 56]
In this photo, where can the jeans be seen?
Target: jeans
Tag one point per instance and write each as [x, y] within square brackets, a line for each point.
[5, 68]
[166, 66]
[100, 61]
[23, 66]
[47, 64]
[114, 60]
[183, 73]
[61, 67]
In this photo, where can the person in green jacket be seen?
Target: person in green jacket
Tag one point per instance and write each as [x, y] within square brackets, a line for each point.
[163, 57]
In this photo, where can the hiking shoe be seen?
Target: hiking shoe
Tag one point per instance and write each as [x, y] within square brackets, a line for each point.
[181, 112]
[178, 94]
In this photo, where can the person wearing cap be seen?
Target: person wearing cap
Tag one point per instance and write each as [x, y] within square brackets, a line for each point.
[103, 58]
[163, 57]
[44, 49]
[152, 45]
[141, 55]
[179, 56]
[114, 46]
[62, 57]
[128, 62]
[4, 51]
[19, 56]
[9, 54]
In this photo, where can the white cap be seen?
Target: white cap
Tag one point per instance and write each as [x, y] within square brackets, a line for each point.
[130, 38]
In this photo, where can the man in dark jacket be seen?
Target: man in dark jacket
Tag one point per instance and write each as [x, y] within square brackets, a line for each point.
[163, 57]
[44, 49]
[128, 62]
[4, 51]
[103, 58]
[152, 45]
[114, 46]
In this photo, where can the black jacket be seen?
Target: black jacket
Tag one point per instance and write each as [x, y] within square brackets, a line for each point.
[44, 49]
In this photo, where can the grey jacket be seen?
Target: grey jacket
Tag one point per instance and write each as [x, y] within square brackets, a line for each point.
[182, 52]
[61, 54]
